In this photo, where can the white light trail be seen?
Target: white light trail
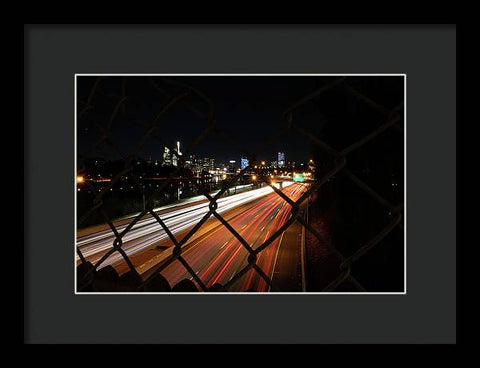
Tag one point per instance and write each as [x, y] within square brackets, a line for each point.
[147, 232]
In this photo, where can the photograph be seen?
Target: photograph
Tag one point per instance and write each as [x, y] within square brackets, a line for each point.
[240, 184]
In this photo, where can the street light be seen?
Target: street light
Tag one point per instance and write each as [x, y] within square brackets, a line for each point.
[80, 179]
[254, 177]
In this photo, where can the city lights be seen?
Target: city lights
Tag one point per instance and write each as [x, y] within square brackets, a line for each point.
[264, 185]
[298, 177]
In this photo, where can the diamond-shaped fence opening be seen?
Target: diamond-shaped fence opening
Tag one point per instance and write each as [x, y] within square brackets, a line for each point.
[252, 272]
[392, 121]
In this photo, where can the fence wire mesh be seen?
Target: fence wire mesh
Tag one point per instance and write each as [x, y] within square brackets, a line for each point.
[97, 276]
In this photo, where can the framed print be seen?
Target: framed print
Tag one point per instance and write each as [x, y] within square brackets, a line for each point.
[261, 197]
[240, 184]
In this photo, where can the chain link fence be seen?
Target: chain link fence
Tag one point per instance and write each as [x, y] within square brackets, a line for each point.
[96, 277]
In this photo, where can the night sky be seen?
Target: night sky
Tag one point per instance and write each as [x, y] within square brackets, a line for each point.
[250, 109]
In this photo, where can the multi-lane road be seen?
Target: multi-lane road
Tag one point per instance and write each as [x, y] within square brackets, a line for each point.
[219, 256]
[213, 253]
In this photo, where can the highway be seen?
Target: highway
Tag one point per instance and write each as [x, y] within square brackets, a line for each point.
[217, 257]
[214, 253]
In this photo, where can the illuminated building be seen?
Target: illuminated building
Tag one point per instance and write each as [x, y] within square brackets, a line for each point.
[243, 162]
[176, 156]
[171, 158]
[232, 167]
[281, 159]
[208, 164]
[167, 157]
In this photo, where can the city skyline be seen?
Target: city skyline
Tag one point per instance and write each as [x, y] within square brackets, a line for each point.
[238, 115]
[169, 157]
[185, 217]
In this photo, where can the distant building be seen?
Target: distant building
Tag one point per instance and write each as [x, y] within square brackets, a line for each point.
[274, 164]
[190, 163]
[178, 148]
[232, 167]
[243, 162]
[281, 159]
[167, 157]
[176, 157]
[204, 164]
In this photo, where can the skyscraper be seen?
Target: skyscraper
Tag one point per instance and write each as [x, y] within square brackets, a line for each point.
[176, 157]
[167, 158]
[243, 162]
[281, 159]
[178, 148]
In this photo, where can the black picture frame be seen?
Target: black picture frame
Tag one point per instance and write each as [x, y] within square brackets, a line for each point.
[53, 53]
